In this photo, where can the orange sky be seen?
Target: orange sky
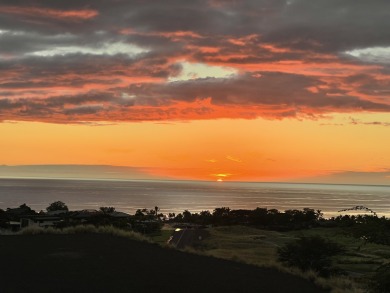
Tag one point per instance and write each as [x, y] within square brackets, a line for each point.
[259, 150]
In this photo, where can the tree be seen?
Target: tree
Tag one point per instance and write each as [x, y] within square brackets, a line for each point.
[107, 210]
[187, 216]
[178, 218]
[221, 212]
[57, 206]
[310, 253]
[371, 229]
[3, 219]
[205, 217]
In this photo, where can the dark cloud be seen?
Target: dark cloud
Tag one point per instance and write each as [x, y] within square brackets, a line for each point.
[354, 121]
[269, 89]
[72, 60]
[273, 95]
[81, 110]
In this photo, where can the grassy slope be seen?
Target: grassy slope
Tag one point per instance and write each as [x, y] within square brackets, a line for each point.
[107, 263]
[259, 247]
[360, 259]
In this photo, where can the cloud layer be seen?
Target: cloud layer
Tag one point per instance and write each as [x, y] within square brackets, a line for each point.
[70, 62]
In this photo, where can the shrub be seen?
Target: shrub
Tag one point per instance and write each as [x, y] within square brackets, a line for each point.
[381, 279]
[310, 253]
[85, 229]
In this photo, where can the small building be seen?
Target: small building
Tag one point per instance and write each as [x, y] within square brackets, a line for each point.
[40, 221]
[83, 215]
[14, 225]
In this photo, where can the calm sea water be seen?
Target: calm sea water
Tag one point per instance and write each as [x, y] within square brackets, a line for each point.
[176, 196]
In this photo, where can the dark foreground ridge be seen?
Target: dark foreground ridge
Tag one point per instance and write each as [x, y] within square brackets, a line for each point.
[103, 263]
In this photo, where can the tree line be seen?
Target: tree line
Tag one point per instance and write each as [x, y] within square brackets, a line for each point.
[370, 228]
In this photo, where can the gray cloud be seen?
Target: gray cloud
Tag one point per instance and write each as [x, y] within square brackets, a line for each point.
[273, 95]
[270, 89]
[305, 37]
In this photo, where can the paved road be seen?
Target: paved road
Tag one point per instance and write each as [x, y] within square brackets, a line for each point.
[187, 237]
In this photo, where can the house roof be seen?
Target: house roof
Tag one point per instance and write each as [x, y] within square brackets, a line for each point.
[14, 223]
[84, 213]
[42, 218]
[18, 211]
[119, 215]
[59, 212]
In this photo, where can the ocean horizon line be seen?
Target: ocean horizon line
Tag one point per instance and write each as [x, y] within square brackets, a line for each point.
[187, 181]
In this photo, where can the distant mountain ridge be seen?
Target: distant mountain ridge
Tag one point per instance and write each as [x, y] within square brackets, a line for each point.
[75, 171]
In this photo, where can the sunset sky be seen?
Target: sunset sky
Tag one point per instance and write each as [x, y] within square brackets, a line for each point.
[257, 90]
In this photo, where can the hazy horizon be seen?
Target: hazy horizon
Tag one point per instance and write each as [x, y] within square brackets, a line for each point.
[109, 172]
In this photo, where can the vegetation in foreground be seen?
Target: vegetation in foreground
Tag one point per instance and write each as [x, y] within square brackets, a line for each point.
[353, 270]
[100, 263]
[311, 253]
[349, 245]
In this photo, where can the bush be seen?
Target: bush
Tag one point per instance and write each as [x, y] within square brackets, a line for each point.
[311, 253]
[381, 279]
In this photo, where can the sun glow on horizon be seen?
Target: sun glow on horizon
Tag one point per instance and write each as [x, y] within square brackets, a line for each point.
[207, 150]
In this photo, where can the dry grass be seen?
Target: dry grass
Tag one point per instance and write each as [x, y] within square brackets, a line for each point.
[259, 247]
[85, 229]
[33, 230]
[340, 285]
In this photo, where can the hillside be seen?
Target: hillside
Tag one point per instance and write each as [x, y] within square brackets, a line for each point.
[103, 263]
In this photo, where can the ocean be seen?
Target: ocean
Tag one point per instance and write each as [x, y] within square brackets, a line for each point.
[177, 196]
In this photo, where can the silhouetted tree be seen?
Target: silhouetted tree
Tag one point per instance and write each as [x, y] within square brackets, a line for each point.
[3, 218]
[139, 214]
[107, 210]
[179, 217]
[371, 229]
[259, 216]
[187, 216]
[57, 206]
[221, 216]
[205, 217]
